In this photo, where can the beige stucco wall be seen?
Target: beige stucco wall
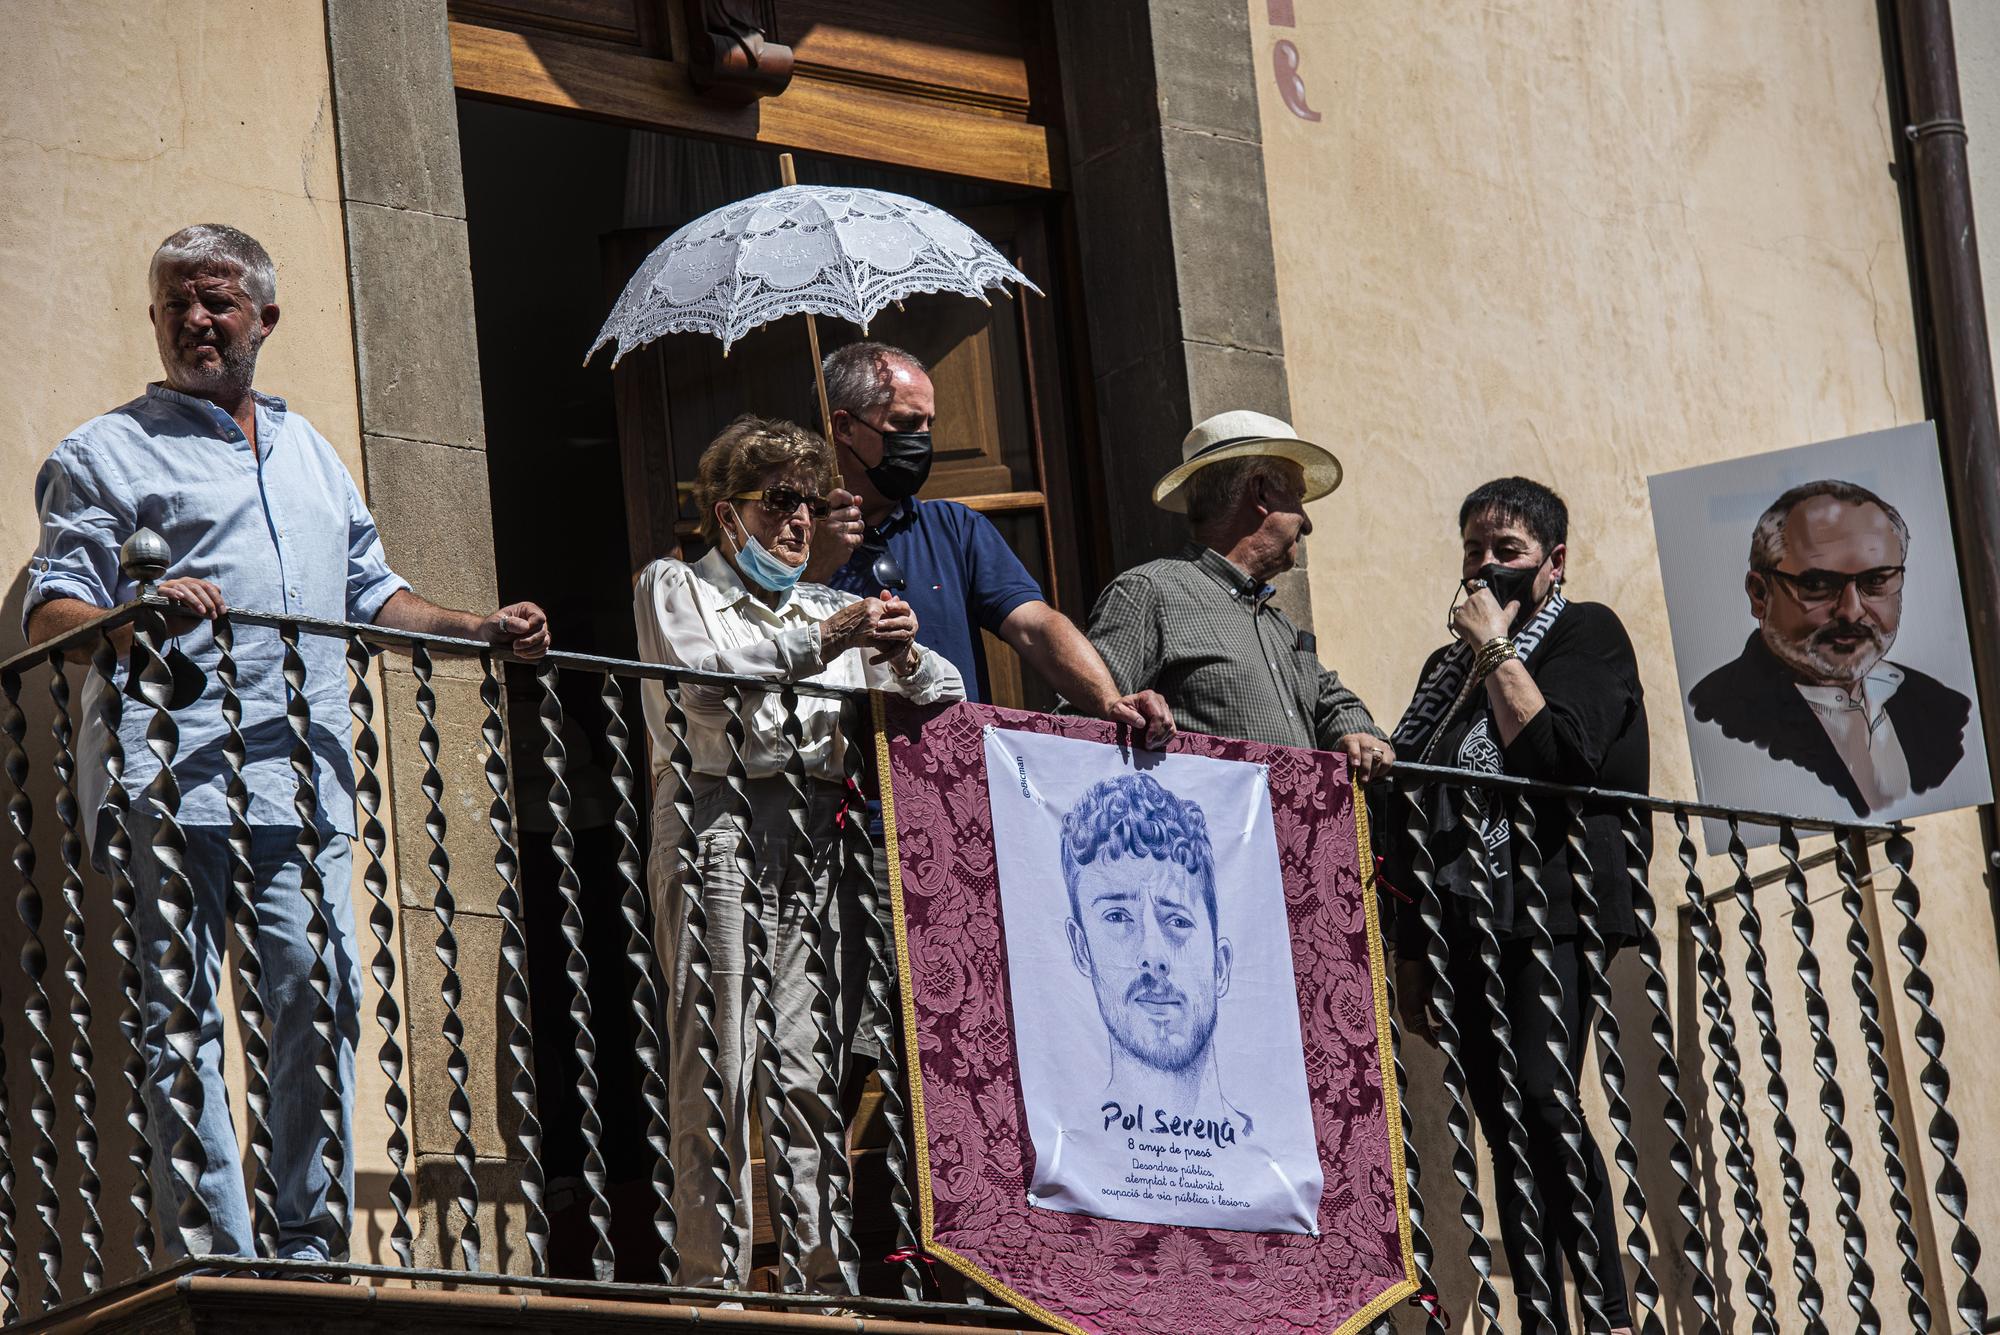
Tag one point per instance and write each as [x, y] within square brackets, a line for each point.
[122, 123]
[1587, 243]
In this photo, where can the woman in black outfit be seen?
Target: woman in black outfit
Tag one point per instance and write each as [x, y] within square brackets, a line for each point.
[1536, 687]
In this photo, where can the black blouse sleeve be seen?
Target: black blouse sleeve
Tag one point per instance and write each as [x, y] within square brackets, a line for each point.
[1589, 679]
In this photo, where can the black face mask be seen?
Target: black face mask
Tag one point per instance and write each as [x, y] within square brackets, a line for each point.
[1510, 584]
[905, 466]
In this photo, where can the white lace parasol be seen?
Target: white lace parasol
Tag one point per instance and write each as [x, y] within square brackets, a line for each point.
[819, 250]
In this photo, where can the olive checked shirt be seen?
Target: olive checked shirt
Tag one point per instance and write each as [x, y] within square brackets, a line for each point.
[1197, 629]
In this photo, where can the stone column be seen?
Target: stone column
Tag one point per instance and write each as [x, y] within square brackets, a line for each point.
[1167, 167]
[423, 449]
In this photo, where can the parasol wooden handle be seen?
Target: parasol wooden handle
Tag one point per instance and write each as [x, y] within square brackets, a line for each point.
[789, 175]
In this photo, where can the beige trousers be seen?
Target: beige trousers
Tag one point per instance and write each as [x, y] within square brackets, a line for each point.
[763, 870]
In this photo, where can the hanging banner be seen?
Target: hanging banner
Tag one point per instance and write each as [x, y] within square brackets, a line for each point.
[1144, 1002]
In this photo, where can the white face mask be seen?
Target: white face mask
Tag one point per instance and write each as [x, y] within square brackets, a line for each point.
[758, 566]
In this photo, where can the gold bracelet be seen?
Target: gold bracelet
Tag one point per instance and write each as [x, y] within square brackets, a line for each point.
[1491, 655]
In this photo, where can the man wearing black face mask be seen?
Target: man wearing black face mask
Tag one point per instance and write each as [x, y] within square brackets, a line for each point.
[947, 561]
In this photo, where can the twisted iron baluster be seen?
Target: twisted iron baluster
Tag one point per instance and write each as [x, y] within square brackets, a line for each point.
[82, 1060]
[1597, 1005]
[319, 931]
[1949, 1185]
[1694, 1244]
[837, 1199]
[514, 968]
[577, 965]
[1514, 1132]
[125, 942]
[768, 1065]
[249, 960]
[699, 995]
[445, 905]
[1832, 1103]
[1464, 1163]
[187, 1156]
[1752, 1244]
[382, 923]
[1541, 948]
[1861, 951]
[35, 967]
[1805, 1258]
[1422, 1251]
[10, 1250]
[645, 969]
[885, 1007]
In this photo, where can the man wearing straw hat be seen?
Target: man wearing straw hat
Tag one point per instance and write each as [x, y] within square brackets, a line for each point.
[1200, 627]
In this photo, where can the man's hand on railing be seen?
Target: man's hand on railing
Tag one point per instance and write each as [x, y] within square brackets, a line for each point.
[521, 627]
[1145, 712]
[1368, 756]
[203, 601]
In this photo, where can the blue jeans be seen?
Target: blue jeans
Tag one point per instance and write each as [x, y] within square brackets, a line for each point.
[306, 1231]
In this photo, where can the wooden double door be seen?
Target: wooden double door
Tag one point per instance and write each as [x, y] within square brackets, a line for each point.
[951, 101]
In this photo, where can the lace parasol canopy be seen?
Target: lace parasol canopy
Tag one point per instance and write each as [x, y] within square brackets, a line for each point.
[820, 250]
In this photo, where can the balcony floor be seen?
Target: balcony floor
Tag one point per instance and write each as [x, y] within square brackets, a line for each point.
[186, 1304]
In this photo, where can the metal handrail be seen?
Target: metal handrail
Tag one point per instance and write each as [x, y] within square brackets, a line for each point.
[1666, 806]
[1402, 773]
[392, 637]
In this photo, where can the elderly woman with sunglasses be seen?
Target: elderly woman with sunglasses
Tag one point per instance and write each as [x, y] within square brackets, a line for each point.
[742, 609]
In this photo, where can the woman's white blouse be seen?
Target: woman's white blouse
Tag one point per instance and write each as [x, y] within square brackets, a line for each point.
[703, 616]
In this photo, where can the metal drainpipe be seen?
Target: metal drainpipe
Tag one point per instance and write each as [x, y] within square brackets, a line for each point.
[1952, 314]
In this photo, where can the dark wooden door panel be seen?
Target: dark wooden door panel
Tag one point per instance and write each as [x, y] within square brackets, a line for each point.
[635, 23]
[972, 50]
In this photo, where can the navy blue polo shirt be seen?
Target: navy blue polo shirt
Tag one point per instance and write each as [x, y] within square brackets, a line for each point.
[963, 577]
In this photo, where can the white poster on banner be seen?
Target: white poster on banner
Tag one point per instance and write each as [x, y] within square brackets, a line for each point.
[1814, 601]
[1150, 965]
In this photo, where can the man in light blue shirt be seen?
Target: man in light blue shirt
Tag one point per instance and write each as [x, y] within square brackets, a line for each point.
[254, 506]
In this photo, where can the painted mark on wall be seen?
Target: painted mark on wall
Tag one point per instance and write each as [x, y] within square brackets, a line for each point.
[1285, 60]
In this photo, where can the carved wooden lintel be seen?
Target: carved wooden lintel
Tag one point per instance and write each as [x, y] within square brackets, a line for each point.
[732, 53]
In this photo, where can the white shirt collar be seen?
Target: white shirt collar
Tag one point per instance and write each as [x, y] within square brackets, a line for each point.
[720, 586]
[1872, 696]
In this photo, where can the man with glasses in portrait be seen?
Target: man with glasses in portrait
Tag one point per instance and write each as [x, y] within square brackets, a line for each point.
[1814, 686]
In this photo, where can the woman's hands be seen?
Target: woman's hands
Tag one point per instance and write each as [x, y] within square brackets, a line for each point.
[1481, 618]
[885, 624]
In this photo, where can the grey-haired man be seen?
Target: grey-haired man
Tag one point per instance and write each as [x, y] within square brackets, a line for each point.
[1199, 627]
[255, 507]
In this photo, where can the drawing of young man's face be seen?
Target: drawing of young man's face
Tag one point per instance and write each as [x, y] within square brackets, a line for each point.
[1143, 931]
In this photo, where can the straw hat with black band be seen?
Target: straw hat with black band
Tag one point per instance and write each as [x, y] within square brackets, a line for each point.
[1241, 435]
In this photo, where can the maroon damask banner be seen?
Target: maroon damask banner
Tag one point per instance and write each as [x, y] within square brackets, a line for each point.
[1090, 1263]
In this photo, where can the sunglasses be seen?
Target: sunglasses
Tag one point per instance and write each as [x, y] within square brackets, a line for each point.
[884, 570]
[784, 502]
[1816, 588]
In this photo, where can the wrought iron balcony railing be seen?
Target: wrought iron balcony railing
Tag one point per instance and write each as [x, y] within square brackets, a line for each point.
[79, 1217]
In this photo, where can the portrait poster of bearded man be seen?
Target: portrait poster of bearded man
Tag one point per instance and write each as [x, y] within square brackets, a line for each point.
[1817, 621]
[1152, 985]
